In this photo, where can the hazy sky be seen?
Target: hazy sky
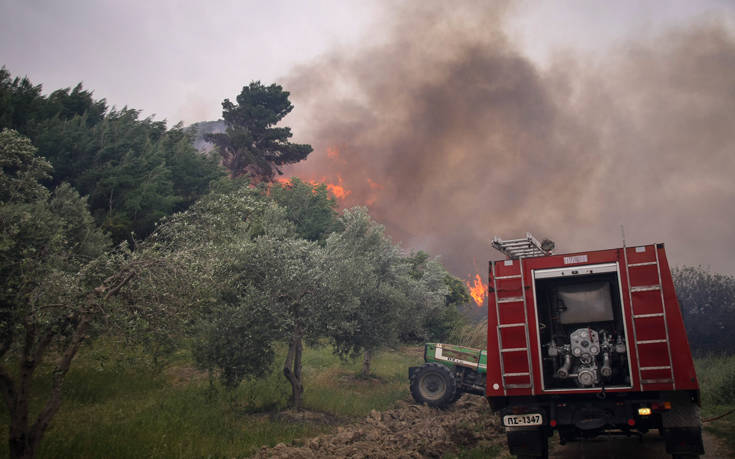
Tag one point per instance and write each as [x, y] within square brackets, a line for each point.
[178, 60]
[454, 121]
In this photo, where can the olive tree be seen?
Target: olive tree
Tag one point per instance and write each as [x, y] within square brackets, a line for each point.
[271, 285]
[380, 288]
[62, 283]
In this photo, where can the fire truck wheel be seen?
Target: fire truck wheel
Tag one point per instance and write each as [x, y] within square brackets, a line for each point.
[434, 385]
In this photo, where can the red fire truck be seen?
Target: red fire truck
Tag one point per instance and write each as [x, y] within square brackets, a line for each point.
[587, 344]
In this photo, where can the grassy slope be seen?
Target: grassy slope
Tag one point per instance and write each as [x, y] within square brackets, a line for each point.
[123, 409]
[117, 407]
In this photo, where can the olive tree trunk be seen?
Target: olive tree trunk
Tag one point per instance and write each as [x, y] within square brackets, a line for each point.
[366, 361]
[292, 370]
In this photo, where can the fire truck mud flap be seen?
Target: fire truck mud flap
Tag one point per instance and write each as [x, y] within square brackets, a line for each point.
[527, 442]
[682, 429]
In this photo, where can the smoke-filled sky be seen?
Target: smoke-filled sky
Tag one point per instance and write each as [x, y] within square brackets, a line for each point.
[453, 121]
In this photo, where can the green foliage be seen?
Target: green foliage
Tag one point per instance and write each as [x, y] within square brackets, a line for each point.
[61, 286]
[45, 242]
[428, 314]
[716, 374]
[238, 340]
[440, 323]
[707, 302]
[308, 207]
[385, 296]
[134, 171]
[369, 275]
[252, 144]
[20, 101]
[21, 169]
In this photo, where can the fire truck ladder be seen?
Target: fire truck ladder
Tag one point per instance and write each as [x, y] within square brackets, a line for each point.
[664, 365]
[522, 248]
[516, 249]
[519, 302]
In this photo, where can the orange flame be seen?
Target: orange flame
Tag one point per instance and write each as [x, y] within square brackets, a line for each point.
[338, 190]
[478, 290]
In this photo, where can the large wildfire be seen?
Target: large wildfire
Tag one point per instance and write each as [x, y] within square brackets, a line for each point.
[477, 289]
[450, 135]
[335, 186]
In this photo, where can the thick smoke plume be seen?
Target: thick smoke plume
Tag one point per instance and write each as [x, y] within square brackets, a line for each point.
[451, 136]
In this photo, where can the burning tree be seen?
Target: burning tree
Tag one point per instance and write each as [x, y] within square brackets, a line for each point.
[252, 144]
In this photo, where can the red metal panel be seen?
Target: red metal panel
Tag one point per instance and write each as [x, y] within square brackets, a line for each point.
[506, 268]
[648, 328]
[511, 313]
[643, 275]
[520, 380]
[513, 337]
[640, 254]
[647, 302]
[515, 361]
[653, 355]
[508, 288]
[684, 375]
[656, 375]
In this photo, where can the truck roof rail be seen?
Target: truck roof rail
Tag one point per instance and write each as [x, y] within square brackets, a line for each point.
[524, 247]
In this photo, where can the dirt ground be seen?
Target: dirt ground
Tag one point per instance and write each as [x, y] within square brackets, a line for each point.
[409, 431]
[413, 431]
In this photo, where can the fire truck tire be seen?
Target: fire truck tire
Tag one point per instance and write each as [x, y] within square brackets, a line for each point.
[434, 385]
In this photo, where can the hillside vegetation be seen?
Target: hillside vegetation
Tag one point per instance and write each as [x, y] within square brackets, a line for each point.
[116, 228]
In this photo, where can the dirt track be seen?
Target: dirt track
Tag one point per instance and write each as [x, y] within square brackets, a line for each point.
[413, 431]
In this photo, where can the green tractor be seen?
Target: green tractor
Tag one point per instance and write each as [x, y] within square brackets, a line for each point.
[449, 372]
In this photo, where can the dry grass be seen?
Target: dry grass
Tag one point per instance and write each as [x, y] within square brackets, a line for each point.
[471, 335]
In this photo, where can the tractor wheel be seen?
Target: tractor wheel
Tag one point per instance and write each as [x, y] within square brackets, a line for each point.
[434, 385]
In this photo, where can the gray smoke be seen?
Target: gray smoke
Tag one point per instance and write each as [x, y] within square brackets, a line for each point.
[452, 136]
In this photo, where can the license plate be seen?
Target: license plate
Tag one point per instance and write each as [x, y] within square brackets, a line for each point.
[513, 420]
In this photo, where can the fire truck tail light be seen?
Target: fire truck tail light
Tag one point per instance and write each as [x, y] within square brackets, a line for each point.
[661, 406]
[552, 423]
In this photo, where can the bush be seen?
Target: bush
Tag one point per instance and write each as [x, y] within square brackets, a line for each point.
[717, 379]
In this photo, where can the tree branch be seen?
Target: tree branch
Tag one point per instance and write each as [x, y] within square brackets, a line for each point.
[120, 285]
[54, 401]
